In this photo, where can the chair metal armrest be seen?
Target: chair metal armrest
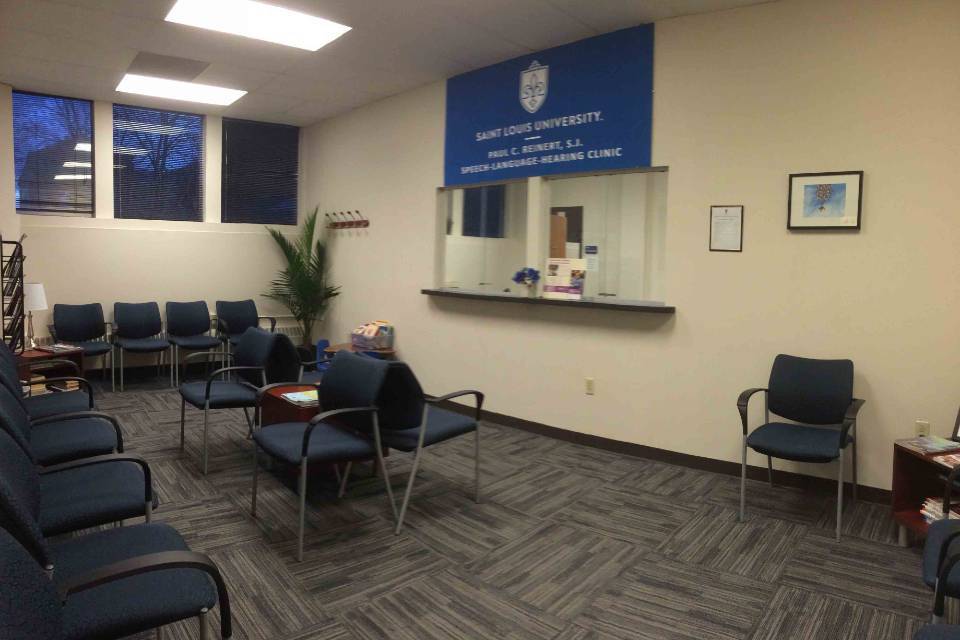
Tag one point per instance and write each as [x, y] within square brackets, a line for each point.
[320, 417]
[223, 328]
[948, 489]
[273, 322]
[850, 418]
[940, 591]
[80, 415]
[743, 401]
[156, 562]
[55, 361]
[82, 381]
[110, 457]
[206, 355]
[52, 330]
[212, 377]
[478, 395]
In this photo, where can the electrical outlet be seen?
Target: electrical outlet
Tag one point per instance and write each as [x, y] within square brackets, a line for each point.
[922, 427]
[590, 389]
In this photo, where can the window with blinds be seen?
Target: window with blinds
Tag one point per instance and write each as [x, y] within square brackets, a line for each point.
[157, 164]
[259, 178]
[53, 153]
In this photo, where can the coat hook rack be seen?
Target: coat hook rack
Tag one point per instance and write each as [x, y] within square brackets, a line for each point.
[337, 220]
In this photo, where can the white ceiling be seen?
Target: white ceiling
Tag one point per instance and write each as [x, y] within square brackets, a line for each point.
[81, 48]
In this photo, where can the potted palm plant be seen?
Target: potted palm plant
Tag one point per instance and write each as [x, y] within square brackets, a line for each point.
[303, 286]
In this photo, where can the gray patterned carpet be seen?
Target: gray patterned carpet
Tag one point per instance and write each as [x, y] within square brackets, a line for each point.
[569, 543]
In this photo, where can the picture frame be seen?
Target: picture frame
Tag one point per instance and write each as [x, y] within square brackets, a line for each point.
[826, 200]
[726, 228]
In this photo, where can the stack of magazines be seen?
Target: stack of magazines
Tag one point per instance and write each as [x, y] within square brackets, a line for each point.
[932, 510]
[930, 444]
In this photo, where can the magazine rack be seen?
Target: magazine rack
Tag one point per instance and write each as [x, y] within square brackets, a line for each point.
[11, 281]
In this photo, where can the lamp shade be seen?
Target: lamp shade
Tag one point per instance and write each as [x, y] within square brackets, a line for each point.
[34, 297]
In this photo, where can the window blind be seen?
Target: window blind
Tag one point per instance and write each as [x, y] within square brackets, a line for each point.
[259, 177]
[53, 153]
[157, 164]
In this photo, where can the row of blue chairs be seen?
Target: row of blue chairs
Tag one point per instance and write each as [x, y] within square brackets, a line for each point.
[63, 470]
[139, 328]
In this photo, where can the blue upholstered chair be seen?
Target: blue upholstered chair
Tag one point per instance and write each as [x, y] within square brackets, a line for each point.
[82, 325]
[188, 328]
[235, 317]
[938, 632]
[108, 584]
[136, 328]
[254, 367]
[941, 555]
[410, 421]
[347, 395]
[45, 404]
[817, 396]
[62, 438]
[83, 493]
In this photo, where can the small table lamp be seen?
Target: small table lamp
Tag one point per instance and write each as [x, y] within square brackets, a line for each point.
[34, 299]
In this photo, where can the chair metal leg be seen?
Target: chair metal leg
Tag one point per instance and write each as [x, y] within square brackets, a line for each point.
[343, 480]
[183, 415]
[246, 414]
[839, 492]
[148, 512]
[770, 470]
[303, 508]
[476, 470]
[854, 455]
[202, 621]
[256, 470]
[206, 414]
[743, 481]
[113, 369]
[383, 470]
[409, 490]
[121, 369]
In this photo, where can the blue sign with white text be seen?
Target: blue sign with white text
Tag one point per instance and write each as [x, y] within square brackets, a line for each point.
[583, 106]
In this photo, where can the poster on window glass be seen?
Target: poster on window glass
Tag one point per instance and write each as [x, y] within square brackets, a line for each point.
[564, 279]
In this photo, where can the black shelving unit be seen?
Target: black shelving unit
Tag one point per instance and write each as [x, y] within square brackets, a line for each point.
[11, 283]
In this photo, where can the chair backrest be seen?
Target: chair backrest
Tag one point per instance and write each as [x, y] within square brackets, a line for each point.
[810, 391]
[20, 499]
[15, 420]
[29, 604]
[352, 381]
[78, 322]
[187, 318]
[137, 319]
[284, 363]
[239, 315]
[401, 399]
[255, 349]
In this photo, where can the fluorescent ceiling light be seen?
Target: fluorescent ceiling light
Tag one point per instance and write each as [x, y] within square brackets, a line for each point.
[69, 164]
[148, 127]
[258, 20]
[82, 146]
[177, 90]
[72, 176]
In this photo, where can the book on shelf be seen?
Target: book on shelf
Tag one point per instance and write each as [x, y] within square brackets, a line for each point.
[930, 444]
[302, 398]
[932, 510]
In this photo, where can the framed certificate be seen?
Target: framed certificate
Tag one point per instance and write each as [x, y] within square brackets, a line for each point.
[726, 227]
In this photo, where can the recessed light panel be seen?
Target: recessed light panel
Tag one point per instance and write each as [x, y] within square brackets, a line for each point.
[177, 90]
[258, 20]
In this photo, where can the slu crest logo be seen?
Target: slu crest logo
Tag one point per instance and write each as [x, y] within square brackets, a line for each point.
[533, 86]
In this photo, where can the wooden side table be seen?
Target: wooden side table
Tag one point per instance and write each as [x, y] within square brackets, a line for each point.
[275, 408]
[916, 477]
[29, 359]
[346, 346]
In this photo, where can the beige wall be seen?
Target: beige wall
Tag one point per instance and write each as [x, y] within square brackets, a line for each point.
[743, 98]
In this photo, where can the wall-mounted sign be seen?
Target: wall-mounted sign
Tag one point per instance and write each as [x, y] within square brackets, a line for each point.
[583, 106]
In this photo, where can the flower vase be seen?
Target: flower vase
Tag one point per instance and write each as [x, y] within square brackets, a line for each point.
[532, 290]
